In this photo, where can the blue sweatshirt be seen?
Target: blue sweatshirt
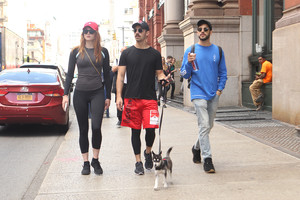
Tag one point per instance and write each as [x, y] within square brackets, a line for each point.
[210, 77]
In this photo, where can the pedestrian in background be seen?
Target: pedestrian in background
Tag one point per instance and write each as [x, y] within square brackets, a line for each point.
[265, 76]
[142, 63]
[162, 91]
[115, 71]
[172, 69]
[90, 58]
[208, 78]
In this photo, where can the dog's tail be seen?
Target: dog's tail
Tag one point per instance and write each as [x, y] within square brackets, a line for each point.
[168, 152]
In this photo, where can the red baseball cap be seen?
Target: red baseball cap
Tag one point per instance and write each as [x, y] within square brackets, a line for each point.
[92, 25]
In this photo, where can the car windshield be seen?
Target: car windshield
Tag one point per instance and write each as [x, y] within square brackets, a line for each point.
[23, 77]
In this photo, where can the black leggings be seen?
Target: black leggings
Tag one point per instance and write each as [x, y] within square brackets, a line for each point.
[81, 101]
[162, 92]
[136, 139]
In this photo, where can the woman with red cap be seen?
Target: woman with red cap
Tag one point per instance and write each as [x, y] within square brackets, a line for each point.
[92, 62]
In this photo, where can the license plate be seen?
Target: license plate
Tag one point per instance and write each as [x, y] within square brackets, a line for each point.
[24, 97]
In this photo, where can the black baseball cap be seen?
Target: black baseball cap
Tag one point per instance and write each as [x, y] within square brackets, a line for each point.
[143, 25]
[203, 21]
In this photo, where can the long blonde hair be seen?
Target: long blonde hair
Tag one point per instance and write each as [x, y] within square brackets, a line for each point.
[97, 46]
[164, 65]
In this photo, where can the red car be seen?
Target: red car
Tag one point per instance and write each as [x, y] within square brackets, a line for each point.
[32, 96]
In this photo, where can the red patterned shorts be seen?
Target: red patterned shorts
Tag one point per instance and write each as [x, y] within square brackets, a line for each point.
[138, 112]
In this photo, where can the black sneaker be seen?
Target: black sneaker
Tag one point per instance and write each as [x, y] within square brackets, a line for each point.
[196, 155]
[97, 167]
[139, 169]
[208, 165]
[119, 124]
[86, 169]
[148, 160]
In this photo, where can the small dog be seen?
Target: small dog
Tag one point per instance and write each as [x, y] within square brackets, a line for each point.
[162, 166]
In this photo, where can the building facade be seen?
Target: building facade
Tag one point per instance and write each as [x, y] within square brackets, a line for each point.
[35, 43]
[286, 70]
[244, 29]
[116, 29]
[3, 16]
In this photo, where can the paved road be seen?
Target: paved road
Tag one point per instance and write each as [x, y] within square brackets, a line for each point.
[26, 153]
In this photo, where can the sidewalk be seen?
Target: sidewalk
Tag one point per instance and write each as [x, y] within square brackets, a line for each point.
[245, 168]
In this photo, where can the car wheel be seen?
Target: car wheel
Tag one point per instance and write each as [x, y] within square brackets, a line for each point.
[64, 128]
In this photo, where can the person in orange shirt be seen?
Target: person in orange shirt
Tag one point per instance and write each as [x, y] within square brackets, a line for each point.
[265, 76]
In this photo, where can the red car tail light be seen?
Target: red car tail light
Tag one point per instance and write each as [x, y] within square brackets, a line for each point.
[2, 92]
[54, 93]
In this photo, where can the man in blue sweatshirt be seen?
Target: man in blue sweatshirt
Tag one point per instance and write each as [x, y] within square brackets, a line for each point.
[208, 73]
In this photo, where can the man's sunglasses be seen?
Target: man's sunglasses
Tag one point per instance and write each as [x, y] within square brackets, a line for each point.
[140, 30]
[91, 31]
[204, 29]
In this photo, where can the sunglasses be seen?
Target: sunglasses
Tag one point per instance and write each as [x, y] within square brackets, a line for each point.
[140, 30]
[91, 31]
[204, 29]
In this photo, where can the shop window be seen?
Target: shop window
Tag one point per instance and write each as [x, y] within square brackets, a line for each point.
[265, 14]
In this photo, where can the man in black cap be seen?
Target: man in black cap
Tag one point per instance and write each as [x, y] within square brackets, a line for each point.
[207, 69]
[141, 64]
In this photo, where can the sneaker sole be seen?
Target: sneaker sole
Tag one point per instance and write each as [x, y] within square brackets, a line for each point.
[139, 173]
[98, 173]
[210, 171]
[148, 168]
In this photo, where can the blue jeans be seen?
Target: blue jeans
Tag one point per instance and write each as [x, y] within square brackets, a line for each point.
[206, 112]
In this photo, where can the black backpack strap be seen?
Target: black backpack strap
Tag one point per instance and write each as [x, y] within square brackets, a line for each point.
[220, 53]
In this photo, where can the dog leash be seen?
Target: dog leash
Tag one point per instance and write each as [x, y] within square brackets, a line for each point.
[161, 117]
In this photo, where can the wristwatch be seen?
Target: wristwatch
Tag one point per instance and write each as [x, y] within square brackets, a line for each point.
[219, 90]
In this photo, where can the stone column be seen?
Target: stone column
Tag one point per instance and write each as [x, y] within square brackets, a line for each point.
[285, 83]
[171, 39]
[173, 15]
[226, 33]
[204, 8]
[231, 8]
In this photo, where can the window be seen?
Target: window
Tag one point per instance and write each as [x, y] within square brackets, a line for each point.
[265, 14]
[128, 11]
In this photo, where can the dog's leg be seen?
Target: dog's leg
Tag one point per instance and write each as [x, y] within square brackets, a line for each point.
[170, 175]
[156, 181]
[165, 179]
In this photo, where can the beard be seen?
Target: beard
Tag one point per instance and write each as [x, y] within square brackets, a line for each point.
[205, 38]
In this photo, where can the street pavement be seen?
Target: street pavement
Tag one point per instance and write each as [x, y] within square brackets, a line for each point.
[245, 168]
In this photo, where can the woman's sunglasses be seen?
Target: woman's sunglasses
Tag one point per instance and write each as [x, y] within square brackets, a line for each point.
[204, 29]
[139, 30]
[91, 31]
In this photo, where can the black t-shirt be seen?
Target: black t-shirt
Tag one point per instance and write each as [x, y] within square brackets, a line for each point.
[141, 66]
